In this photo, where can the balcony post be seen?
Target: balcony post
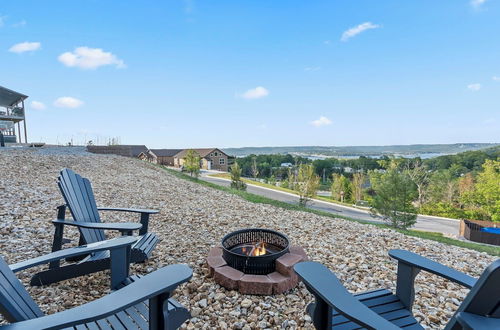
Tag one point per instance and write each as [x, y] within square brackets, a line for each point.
[25, 133]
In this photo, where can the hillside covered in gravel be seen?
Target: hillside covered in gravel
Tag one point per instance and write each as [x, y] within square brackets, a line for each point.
[193, 218]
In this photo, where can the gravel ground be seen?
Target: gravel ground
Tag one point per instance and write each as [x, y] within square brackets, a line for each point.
[194, 218]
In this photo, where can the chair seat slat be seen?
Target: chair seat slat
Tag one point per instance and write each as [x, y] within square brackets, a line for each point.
[137, 317]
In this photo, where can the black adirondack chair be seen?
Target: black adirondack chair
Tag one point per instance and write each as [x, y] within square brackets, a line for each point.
[142, 304]
[79, 197]
[335, 307]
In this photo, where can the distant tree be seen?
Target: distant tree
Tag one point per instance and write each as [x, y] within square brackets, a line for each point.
[236, 181]
[341, 188]
[336, 187]
[292, 178]
[358, 179]
[307, 183]
[420, 175]
[192, 162]
[394, 194]
[114, 141]
[466, 184]
[443, 187]
[272, 180]
[486, 194]
[254, 169]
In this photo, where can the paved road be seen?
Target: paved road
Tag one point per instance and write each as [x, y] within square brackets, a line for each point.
[426, 223]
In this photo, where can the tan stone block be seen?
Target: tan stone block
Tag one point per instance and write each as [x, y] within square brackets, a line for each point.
[215, 252]
[285, 263]
[214, 262]
[281, 283]
[255, 284]
[299, 250]
[228, 277]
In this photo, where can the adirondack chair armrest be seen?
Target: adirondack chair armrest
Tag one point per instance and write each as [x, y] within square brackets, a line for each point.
[410, 264]
[112, 244]
[160, 283]
[144, 215]
[471, 321]
[121, 226]
[121, 209]
[330, 293]
[419, 262]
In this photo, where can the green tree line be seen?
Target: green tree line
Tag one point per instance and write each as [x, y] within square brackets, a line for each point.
[464, 185]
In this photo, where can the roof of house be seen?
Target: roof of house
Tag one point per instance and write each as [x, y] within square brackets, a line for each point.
[122, 150]
[203, 152]
[9, 98]
[165, 152]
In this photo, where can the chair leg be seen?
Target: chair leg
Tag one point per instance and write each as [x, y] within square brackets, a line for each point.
[176, 314]
[120, 262]
[405, 284]
[145, 223]
[156, 315]
[321, 314]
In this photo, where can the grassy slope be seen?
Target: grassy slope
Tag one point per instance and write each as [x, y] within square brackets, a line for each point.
[492, 250]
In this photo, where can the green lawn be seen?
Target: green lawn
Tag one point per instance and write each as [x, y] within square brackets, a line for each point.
[492, 250]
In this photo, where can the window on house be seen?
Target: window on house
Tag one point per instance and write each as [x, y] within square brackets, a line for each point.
[212, 154]
[222, 161]
[215, 154]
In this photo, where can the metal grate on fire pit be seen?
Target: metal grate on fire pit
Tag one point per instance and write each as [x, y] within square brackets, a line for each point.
[254, 250]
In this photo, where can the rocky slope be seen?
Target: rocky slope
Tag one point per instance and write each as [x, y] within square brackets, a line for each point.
[194, 218]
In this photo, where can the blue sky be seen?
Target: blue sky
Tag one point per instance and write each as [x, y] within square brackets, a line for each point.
[231, 73]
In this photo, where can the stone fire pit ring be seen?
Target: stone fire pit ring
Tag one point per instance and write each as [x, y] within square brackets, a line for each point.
[276, 243]
[281, 278]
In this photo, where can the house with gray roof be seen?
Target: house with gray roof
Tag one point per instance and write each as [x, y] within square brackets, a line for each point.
[160, 156]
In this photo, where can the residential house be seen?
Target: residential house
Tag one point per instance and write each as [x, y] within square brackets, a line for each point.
[210, 159]
[286, 165]
[160, 156]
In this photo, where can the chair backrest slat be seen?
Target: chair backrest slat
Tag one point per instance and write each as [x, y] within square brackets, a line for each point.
[78, 195]
[484, 297]
[15, 302]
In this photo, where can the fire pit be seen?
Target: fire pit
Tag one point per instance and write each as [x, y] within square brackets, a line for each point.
[255, 261]
[254, 251]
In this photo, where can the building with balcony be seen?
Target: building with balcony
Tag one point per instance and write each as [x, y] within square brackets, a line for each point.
[12, 116]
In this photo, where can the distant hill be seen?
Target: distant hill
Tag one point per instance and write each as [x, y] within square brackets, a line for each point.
[412, 150]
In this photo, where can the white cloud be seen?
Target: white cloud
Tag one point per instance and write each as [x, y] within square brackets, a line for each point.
[25, 47]
[89, 58]
[327, 42]
[357, 30]
[68, 102]
[477, 3]
[312, 69]
[474, 87]
[37, 105]
[255, 93]
[496, 78]
[19, 24]
[2, 20]
[322, 121]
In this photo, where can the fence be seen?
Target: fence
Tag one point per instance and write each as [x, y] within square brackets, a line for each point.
[471, 230]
